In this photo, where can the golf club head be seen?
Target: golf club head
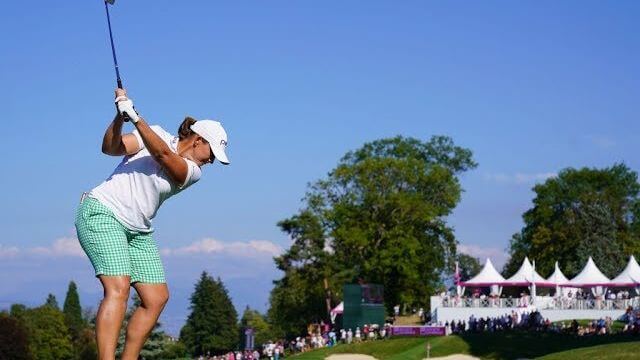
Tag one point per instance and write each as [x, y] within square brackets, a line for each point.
[110, 1]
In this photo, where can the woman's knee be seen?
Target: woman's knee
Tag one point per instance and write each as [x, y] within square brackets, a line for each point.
[155, 300]
[161, 299]
[116, 288]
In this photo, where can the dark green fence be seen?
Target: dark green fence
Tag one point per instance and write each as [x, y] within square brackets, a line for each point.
[363, 304]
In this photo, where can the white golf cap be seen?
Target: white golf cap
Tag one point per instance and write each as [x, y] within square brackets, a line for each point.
[214, 133]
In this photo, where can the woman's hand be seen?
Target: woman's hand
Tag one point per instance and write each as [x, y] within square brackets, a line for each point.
[121, 92]
[114, 142]
[125, 106]
[126, 109]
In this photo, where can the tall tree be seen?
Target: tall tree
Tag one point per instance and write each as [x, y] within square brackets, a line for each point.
[73, 311]
[14, 342]
[85, 346]
[52, 301]
[17, 311]
[581, 213]
[49, 338]
[469, 266]
[379, 217]
[212, 325]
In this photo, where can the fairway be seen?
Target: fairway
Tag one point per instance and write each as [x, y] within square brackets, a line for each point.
[510, 345]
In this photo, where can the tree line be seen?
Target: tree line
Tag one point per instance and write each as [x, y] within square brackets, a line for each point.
[48, 332]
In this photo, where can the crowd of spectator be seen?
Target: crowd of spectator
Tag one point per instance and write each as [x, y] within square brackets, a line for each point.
[329, 337]
[534, 321]
[325, 336]
[317, 337]
[569, 299]
[515, 320]
[631, 321]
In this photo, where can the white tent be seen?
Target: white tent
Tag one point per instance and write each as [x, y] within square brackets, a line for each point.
[558, 280]
[488, 276]
[630, 276]
[525, 276]
[592, 277]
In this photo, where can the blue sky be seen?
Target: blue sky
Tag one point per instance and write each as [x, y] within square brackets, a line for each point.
[531, 87]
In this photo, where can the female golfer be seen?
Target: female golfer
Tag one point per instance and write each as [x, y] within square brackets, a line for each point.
[113, 221]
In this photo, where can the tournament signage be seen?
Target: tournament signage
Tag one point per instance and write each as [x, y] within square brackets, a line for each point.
[418, 331]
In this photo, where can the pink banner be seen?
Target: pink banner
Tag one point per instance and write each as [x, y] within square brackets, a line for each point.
[417, 330]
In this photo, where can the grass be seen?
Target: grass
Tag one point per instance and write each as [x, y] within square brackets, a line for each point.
[618, 351]
[509, 345]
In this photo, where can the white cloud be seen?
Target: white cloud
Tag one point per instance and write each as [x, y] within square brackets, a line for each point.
[518, 178]
[251, 248]
[66, 246]
[498, 256]
[8, 251]
[70, 247]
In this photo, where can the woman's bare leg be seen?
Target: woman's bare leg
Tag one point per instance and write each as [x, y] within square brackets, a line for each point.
[110, 314]
[153, 297]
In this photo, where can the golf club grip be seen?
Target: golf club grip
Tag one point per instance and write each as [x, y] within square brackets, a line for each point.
[125, 116]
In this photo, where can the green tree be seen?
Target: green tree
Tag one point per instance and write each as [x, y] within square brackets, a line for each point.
[49, 338]
[17, 311]
[52, 301]
[212, 325]
[73, 311]
[379, 217]
[14, 342]
[254, 320]
[468, 266]
[581, 213]
[86, 347]
[175, 350]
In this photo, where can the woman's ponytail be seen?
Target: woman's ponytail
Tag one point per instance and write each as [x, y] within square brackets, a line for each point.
[185, 128]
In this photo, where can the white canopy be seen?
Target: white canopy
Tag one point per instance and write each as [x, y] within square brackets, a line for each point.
[488, 276]
[630, 276]
[525, 276]
[589, 276]
[557, 278]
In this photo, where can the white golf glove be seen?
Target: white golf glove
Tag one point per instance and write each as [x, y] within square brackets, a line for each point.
[125, 106]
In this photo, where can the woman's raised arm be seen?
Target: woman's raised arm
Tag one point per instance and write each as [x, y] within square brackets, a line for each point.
[113, 142]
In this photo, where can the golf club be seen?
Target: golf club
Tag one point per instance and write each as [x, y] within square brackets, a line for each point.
[113, 49]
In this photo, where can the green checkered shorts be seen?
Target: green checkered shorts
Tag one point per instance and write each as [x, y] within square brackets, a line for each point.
[115, 250]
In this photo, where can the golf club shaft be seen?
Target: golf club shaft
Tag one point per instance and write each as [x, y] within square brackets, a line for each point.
[113, 49]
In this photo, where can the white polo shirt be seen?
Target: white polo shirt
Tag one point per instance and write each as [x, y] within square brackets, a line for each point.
[139, 185]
